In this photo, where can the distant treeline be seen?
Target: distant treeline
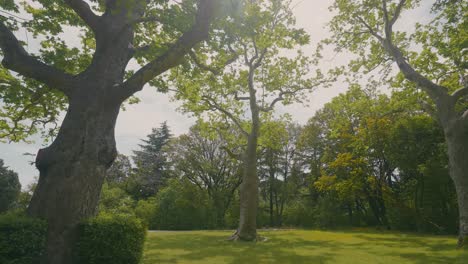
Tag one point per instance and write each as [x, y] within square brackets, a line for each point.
[364, 160]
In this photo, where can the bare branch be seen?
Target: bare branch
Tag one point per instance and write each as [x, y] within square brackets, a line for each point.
[84, 11]
[18, 60]
[175, 53]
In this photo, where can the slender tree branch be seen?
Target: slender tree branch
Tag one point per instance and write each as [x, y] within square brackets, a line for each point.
[213, 105]
[231, 154]
[18, 60]
[371, 30]
[201, 65]
[176, 52]
[241, 98]
[259, 61]
[292, 92]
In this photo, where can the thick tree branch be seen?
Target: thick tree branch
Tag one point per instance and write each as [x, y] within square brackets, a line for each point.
[436, 92]
[176, 53]
[18, 60]
[84, 11]
[397, 13]
[462, 92]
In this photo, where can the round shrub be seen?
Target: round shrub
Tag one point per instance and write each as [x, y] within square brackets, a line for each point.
[110, 239]
[22, 239]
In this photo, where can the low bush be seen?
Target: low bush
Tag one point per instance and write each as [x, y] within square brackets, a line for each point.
[22, 238]
[110, 239]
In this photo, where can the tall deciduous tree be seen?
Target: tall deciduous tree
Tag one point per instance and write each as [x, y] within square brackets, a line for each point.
[10, 187]
[438, 68]
[204, 162]
[94, 81]
[240, 76]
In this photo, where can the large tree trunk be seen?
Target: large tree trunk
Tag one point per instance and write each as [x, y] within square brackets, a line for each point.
[249, 193]
[457, 142]
[72, 171]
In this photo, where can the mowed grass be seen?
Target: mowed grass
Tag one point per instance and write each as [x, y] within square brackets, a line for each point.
[301, 246]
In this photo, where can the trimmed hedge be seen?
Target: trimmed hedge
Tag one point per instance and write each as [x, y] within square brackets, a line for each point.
[110, 239]
[22, 239]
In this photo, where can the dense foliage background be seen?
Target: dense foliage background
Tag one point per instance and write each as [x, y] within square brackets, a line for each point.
[365, 159]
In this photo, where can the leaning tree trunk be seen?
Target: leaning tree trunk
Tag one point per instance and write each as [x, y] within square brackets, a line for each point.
[72, 171]
[457, 142]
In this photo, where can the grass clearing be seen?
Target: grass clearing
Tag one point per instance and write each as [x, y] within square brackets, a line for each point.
[302, 246]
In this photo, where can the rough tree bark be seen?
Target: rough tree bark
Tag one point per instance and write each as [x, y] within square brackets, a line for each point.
[457, 142]
[72, 171]
[72, 168]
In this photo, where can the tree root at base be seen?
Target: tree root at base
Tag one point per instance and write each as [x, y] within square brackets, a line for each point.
[236, 237]
[462, 242]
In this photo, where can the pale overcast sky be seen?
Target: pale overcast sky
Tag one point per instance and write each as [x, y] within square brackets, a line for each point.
[136, 122]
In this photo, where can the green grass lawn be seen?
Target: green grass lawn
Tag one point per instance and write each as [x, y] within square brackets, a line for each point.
[299, 246]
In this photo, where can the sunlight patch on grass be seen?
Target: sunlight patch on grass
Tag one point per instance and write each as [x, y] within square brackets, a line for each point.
[300, 246]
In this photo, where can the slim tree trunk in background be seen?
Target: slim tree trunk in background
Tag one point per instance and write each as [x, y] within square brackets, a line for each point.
[271, 179]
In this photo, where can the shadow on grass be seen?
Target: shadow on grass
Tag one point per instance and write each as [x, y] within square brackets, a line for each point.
[216, 248]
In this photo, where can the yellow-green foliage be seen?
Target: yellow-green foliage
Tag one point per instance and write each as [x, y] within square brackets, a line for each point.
[298, 246]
